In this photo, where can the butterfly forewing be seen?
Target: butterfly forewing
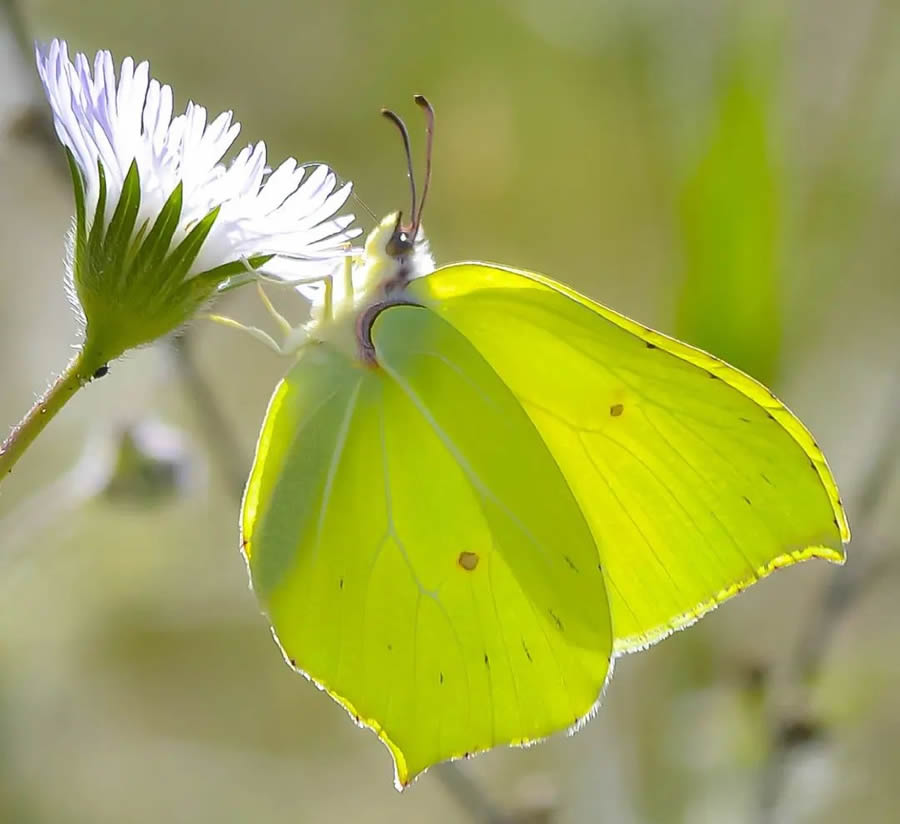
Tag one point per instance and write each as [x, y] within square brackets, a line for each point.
[694, 479]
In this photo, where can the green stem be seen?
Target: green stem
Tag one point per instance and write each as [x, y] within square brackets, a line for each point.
[79, 372]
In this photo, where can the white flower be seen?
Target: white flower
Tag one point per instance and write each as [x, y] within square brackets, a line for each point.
[160, 218]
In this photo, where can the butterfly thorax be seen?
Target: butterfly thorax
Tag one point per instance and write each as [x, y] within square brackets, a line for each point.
[390, 260]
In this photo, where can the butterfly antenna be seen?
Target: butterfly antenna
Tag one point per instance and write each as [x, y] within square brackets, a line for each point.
[396, 120]
[423, 103]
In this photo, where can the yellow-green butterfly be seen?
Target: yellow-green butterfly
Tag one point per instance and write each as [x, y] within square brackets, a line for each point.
[476, 487]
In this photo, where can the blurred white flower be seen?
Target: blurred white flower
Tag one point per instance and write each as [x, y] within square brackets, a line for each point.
[161, 221]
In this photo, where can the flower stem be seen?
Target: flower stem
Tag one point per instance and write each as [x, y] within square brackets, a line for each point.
[76, 374]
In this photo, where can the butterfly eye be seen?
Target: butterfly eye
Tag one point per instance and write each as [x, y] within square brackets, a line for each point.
[400, 245]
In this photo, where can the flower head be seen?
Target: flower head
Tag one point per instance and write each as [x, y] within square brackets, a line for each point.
[161, 222]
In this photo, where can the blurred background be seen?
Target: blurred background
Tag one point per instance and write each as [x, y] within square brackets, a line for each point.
[724, 171]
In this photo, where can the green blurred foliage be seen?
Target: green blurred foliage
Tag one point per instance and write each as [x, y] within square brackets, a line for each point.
[730, 301]
[725, 171]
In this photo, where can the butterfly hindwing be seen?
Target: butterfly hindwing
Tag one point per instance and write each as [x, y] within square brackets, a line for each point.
[418, 551]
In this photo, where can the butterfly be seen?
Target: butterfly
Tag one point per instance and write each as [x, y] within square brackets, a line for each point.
[475, 488]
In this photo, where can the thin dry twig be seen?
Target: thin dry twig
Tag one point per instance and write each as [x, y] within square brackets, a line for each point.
[222, 443]
[843, 591]
[867, 564]
[469, 796]
[35, 122]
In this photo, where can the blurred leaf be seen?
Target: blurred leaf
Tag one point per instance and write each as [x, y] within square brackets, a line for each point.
[730, 302]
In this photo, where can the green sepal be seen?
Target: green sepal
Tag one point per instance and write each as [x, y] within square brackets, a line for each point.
[116, 242]
[236, 272]
[134, 248]
[78, 185]
[132, 285]
[154, 248]
[203, 286]
[80, 213]
[95, 239]
[182, 258]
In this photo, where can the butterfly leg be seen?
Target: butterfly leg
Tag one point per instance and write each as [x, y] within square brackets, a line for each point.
[294, 336]
[348, 278]
[282, 322]
[253, 331]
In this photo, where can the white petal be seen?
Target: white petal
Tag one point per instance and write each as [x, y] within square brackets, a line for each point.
[290, 212]
[278, 186]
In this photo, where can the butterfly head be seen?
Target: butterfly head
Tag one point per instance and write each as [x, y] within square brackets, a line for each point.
[396, 251]
[396, 254]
